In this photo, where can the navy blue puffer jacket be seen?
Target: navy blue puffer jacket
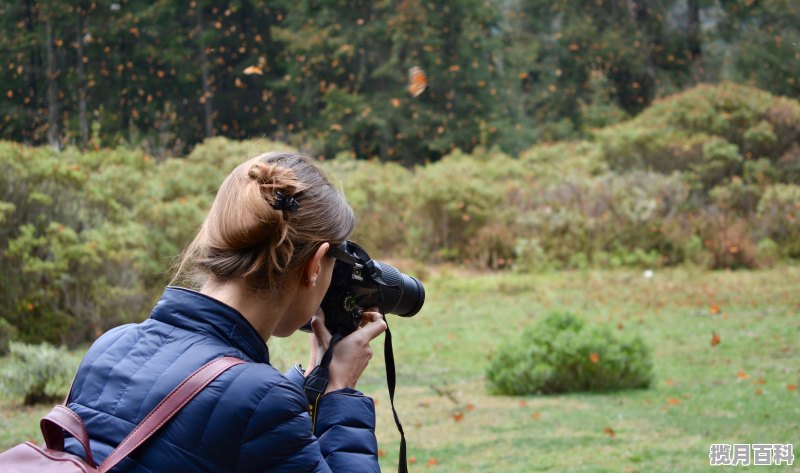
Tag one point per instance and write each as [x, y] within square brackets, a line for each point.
[251, 418]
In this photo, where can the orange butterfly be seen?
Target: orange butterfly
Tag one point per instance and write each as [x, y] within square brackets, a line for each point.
[417, 81]
[253, 70]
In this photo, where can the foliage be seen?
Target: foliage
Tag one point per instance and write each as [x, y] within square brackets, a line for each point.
[71, 237]
[562, 354]
[93, 234]
[450, 214]
[36, 373]
[377, 193]
[607, 218]
[332, 76]
[7, 333]
[731, 144]
[714, 132]
[778, 217]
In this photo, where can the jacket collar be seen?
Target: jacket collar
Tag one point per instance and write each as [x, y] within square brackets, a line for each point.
[196, 312]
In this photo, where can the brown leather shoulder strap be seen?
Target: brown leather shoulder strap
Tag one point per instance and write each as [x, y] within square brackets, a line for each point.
[62, 419]
[167, 408]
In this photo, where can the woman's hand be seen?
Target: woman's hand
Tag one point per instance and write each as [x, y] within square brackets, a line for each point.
[351, 354]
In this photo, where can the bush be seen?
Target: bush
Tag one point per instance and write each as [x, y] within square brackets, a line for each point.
[379, 195]
[547, 163]
[454, 199]
[7, 334]
[563, 354]
[92, 234]
[629, 219]
[778, 217]
[728, 240]
[710, 130]
[62, 215]
[37, 373]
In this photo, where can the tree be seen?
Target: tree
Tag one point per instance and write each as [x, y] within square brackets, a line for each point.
[347, 74]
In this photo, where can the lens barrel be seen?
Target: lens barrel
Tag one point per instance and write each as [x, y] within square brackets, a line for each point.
[403, 295]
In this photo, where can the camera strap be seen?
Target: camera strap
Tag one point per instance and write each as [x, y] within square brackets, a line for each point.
[317, 381]
[388, 355]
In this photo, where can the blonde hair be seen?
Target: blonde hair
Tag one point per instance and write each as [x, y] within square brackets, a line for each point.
[245, 236]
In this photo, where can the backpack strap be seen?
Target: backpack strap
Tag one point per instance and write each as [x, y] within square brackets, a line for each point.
[167, 408]
[62, 419]
[56, 422]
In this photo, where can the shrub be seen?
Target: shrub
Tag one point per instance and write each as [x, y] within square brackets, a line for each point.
[626, 218]
[7, 334]
[710, 130]
[728, 239]
[531, 257]
[379, 195]
[67, 229]
[453, 199]
[736, 197]
[563, 354]
[778, 217]
[551, 162]
[37, 373]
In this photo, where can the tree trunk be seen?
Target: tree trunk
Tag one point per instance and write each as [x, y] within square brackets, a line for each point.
[636, 86]
[34, 100]
[204, 70]
[53, 135]
[83, 123]
[693, 39]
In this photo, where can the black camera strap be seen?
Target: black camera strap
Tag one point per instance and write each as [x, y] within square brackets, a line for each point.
[317, 381]
[388, 355]
[391, 382]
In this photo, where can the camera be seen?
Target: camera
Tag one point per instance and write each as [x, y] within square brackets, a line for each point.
[360, 282]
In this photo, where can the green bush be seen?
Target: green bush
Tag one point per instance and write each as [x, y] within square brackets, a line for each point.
[548, 163]
[709, 130]
[62, 213]
[8, 333]
[629, 219]
[93, 234]
[36, 373]
[455, 199]
[379, 195]
[561, 353]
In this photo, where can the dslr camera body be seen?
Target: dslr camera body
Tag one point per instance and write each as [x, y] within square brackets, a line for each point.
[360, 282]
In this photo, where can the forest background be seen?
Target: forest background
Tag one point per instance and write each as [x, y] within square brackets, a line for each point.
[559, 134]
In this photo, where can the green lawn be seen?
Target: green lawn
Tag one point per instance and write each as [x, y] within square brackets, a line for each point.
[735, 392]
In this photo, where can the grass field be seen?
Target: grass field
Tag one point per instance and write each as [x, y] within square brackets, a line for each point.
[743, 390]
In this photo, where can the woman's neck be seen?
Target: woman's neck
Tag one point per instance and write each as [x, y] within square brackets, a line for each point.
[263, 309]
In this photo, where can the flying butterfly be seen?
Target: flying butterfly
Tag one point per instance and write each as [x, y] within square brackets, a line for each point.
[417, 81]
[253, 70]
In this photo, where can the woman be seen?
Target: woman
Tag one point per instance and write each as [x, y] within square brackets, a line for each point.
[260, 265]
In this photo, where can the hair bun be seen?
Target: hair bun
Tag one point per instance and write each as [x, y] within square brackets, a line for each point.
[276, 183]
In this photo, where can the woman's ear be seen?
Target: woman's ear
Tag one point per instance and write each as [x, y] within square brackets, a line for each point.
[313, 266]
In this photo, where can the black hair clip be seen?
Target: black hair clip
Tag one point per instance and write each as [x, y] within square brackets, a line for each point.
[285, 202]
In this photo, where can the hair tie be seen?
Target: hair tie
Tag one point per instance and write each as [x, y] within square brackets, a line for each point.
[285, 202]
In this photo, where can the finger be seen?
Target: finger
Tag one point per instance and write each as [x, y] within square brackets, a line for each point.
[371, 315]
[373, 329]
[320, 331]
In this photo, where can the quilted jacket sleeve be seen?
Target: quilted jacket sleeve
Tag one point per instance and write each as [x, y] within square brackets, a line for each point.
[279, 436]
[346, 431]
[345, 427]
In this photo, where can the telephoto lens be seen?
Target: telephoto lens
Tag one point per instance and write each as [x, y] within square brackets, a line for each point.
[403, 295]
